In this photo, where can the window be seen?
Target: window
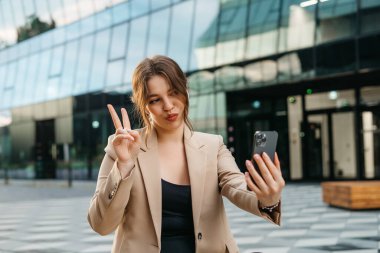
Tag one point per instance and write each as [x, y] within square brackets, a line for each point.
[99, 63]
[337, 20]
[262, 30]
[114, 73]
[158, 32]
[69, 67]
[84, 64]
[179, 42]
[136, 45]
[118, 43]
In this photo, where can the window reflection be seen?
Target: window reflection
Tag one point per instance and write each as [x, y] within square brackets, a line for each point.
[84, 64]
[297, 25]
[370, 16]
[179, 42]
[337, 19]
[56, 61]
[118, 42]
[30, 79]
[114, 73]
[204, 34]
[69, 66]
[19, 83]
[99, 63]
[232, 30]
[42, 79]
[263, 20]
[137, 40]
[158, 33]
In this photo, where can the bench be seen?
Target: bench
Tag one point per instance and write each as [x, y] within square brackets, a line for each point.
[355, 195]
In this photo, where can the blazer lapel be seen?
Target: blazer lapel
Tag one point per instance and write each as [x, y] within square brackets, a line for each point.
[196, 161]
[148, 161]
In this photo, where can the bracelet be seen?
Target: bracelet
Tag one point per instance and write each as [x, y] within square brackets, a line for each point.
[270, 208]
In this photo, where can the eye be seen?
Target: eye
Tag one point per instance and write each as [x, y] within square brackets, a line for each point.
[154, 101]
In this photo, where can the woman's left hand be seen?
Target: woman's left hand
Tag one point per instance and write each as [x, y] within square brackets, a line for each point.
[267, 186]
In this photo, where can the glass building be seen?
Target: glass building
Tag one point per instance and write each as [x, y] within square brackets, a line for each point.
[309, 69]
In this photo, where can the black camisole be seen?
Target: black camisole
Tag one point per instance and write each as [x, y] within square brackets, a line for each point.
[177, 232]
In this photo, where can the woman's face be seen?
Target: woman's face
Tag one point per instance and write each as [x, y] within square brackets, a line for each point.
[164, 104]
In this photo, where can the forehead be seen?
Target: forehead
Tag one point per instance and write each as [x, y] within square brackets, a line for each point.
[157, 85]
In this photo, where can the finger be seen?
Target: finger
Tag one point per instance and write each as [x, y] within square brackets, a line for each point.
[126, 122]
[276, 174]
[135, 134]
[118, 138]
[259, 181]
[277, 162]
[266, 174]
[250, 183]
[115, 119]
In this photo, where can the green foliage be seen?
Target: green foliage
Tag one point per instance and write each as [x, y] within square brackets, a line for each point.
[33, 27]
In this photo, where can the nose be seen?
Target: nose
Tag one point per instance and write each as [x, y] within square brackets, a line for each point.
[168, 104]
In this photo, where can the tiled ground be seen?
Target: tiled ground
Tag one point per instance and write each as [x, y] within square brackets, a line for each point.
[59, 224]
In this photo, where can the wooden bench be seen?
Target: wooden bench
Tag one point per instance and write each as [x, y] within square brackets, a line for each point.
[355, 195]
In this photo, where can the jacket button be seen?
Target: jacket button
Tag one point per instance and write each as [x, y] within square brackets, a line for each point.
[199, 236]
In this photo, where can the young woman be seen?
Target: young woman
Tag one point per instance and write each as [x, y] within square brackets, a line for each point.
[161, 186]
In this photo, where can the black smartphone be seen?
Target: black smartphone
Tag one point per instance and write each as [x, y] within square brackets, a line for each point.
[264, 141]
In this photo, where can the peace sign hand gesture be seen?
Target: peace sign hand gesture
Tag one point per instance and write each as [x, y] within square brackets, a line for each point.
[126, 142]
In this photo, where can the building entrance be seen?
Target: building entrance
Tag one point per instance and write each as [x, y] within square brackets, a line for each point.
[329, 145]
[45, 151]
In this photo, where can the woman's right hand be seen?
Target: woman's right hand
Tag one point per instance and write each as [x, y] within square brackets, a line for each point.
[126, 142]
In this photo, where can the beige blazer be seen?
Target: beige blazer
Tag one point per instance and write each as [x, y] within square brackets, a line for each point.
[132, 206]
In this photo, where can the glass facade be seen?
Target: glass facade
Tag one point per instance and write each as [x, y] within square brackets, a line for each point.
[61, 62]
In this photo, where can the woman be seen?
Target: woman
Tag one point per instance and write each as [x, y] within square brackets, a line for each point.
[161, 187]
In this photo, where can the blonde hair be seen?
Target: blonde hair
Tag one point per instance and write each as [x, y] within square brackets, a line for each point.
[166, 68]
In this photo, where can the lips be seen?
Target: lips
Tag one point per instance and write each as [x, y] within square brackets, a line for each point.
[172, 117]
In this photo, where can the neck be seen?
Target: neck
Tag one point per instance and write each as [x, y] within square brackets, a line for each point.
[174, 136]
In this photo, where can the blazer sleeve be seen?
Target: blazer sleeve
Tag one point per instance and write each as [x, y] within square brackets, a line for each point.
[233, 186]
[111, 195]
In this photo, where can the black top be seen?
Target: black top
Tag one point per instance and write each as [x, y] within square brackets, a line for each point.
[177, 232]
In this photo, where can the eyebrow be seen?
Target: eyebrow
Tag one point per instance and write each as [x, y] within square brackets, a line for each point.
[156, 95]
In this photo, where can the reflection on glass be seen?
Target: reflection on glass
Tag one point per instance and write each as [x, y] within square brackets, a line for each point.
[232, 31]
[19, 83]
[11, 74]
[370, 16]
[84, 64]
[42, 79]
[259, 72]
[179, 41]
[56, 61]
[204, 34]
[156, 4]
[73, 31]
[103, 19]
[52, 88]
[136, 45]
[263, 20]
[158, 33]
[297, 25]
[87, 25]
[69, 66]
[121, 12]
[99, 63]
[8, 32]
[139, 7]
[118, 42]
[114, 73]
[337, 20]
[201, 82]
[17, 11]
[30, 78]
[229, 78]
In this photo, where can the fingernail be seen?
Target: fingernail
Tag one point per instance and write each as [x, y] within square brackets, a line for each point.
[265, 154]
[256, 156]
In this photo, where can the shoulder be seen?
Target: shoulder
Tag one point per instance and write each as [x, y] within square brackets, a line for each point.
[207, 139]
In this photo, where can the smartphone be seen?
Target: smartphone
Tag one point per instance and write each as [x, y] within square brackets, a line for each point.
[264, 141]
